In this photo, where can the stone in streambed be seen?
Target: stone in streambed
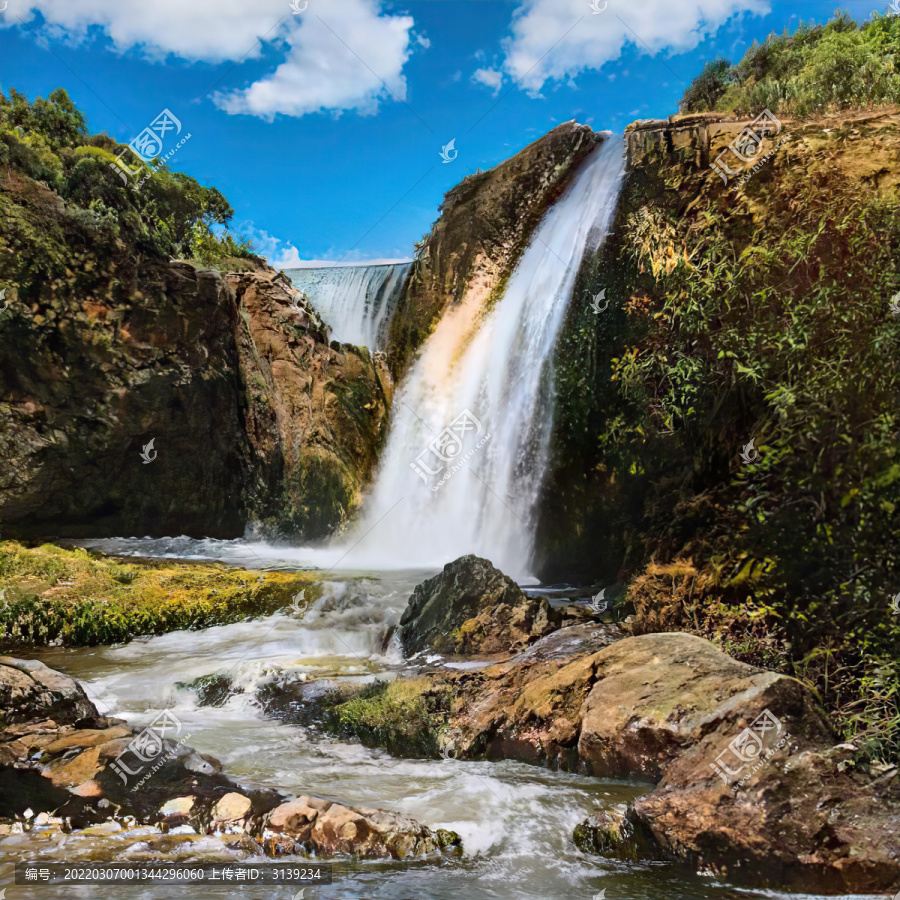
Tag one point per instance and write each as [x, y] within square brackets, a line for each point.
[613, 832]
[472, 607]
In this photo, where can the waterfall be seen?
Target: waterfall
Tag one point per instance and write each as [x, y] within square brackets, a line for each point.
[355, 301]
[469, 442]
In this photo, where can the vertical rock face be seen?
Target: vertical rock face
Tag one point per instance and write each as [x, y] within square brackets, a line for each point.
[91, 374]
[142, 396]
[484, 226]
[315, 413]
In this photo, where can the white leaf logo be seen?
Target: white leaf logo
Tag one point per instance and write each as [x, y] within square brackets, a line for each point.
[446, 151]
[148, 454]
[748, 454]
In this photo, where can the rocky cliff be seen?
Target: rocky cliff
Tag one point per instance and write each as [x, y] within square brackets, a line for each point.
[105, 347]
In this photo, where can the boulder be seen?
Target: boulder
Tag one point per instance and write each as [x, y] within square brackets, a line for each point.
[31, 690]
[330, 828]
[803, 820]
[472, 607]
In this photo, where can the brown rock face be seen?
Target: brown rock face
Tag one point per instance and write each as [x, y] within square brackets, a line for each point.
[316, 413]
[472, 607]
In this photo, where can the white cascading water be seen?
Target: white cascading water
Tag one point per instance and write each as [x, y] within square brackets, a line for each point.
[356, 302]
[469, 443]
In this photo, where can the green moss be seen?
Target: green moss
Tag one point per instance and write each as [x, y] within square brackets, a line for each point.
[70, 597]
[404, 717]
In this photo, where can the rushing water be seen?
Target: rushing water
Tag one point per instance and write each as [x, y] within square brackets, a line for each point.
[356, 302]
[468, 447]
[515, 820]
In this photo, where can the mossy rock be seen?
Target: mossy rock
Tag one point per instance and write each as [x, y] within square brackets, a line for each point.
[69, 597]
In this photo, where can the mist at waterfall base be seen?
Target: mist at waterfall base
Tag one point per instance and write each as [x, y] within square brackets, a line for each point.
[355, 302]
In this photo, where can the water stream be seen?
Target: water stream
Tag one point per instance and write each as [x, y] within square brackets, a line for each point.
[515, 820]
[356, 302]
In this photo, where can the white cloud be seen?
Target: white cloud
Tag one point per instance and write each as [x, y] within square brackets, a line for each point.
[337, 53]
[335, 62]
[284, 255]
[212, 30]
[491, 78]
[554, 40]
[279, 254]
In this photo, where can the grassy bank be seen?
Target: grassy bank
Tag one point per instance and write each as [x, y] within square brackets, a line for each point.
[71, 597]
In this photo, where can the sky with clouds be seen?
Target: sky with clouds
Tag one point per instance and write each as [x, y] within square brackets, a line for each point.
[323, 121]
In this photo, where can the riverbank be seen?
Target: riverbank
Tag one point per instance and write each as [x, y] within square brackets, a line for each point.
[52, 595]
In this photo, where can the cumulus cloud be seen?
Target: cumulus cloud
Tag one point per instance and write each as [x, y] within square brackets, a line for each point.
[340, 55]
[211, 30]
[554, 40]
[491, 78]
[349, 58]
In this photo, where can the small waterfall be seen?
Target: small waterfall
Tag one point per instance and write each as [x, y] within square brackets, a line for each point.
[355, 301]
[469, 443]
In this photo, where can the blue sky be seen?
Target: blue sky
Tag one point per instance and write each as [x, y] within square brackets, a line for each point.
[324, 128]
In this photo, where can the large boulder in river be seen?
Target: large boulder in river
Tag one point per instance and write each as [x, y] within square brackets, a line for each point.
[29, 689]
[472, 607]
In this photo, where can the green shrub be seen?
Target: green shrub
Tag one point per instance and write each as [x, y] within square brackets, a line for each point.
[815, 69]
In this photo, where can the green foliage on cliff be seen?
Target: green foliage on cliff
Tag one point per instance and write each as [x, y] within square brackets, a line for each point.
[755, 312]
[50, 595]
[169, 213]
[815, 69]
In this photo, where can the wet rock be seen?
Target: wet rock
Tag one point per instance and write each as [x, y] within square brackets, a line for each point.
[97, 777]
[613, 832]
[472, 607]
[28, 689]
[211, 690]
[231, 808]
[329, 828]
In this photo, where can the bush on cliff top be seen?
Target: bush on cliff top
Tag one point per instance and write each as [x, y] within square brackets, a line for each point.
[171, 214]
[815, 69]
